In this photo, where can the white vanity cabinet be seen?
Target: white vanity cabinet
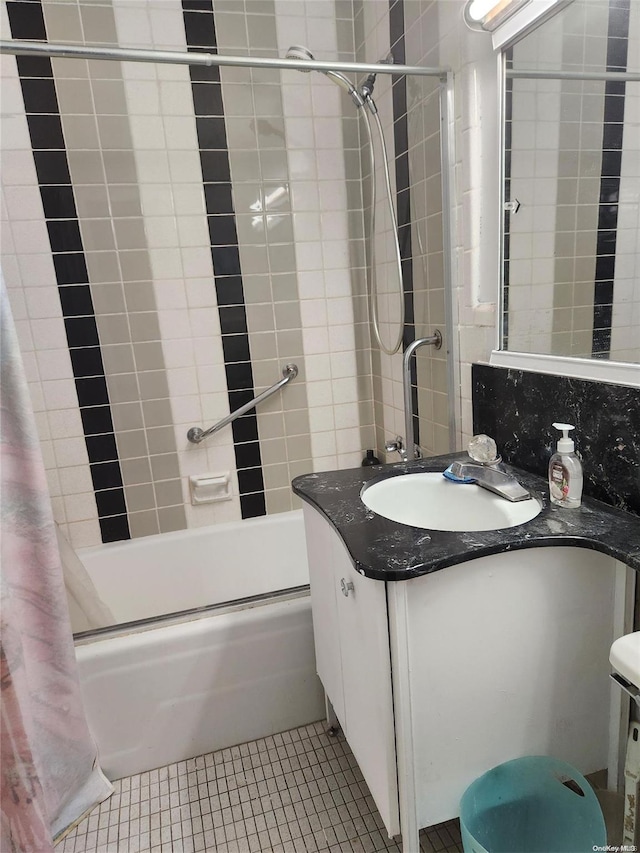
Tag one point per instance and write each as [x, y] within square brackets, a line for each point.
[353, 659]
[438, 678]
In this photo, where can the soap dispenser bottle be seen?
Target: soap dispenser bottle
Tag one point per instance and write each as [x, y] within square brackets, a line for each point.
[565, 472]
[370, 460]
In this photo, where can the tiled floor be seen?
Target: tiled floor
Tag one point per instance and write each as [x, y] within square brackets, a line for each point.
[291, 793]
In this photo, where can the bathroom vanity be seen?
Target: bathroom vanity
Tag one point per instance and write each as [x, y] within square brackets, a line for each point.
[445, 653]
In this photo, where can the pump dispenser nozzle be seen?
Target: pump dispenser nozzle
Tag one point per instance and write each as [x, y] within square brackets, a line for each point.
[565, 445]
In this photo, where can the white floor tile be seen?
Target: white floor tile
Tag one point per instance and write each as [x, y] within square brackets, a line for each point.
[296, 792]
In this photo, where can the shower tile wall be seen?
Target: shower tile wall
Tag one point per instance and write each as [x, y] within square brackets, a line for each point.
[319, 124]
[410, 115]
[172, 323]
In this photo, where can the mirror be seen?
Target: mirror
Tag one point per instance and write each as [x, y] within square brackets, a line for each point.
[571, 240]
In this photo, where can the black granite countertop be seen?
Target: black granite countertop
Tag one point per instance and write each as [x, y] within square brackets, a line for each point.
[390, 551]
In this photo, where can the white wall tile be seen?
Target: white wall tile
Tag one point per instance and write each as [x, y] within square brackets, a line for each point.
[65, 423]
[17, 168]
[36, 270]
[55, 365]
[24, 202]
[153, 167]
[49, 334]
[83, 534]
[147, 132]
[59, 394]
[70, 451]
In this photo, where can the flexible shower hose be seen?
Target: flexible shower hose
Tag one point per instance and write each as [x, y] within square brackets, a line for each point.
[370, 266]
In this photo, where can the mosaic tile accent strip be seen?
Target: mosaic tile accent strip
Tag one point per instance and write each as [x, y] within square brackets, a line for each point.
[296, 792]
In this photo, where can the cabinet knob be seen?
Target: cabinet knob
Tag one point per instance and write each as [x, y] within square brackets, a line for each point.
[346, 586]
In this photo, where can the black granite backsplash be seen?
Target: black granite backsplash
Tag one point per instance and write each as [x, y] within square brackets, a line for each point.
[517, 408]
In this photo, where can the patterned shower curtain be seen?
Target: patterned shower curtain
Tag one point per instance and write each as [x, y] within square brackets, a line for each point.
[50, 774]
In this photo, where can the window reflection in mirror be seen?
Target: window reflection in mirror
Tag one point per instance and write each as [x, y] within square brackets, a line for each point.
[571, 272]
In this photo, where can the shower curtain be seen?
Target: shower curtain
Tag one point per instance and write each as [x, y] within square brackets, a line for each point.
[86, 609]
[50, 773]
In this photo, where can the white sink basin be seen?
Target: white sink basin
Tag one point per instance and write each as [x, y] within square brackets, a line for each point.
[625, 657]
[430, 501]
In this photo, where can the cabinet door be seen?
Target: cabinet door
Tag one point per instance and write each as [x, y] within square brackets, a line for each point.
[319, 535]
[509, 656]
[366, 679]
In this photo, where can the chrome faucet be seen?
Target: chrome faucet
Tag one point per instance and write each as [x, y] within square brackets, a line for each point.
[485, 469]
[490, 477]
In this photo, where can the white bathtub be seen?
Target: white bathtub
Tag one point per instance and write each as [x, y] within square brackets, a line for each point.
[156, 694]
[172, 572]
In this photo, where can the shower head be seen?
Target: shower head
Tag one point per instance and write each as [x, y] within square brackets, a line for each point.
[298, 52]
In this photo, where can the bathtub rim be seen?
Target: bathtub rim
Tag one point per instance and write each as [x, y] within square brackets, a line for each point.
[83, 638]
[190, 533]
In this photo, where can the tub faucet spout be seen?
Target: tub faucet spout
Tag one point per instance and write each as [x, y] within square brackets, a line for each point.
[395, 445]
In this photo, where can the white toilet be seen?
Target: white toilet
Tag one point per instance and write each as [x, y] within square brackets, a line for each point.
[625, 660]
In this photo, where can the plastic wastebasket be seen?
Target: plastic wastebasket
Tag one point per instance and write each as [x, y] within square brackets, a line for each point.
[531, 805]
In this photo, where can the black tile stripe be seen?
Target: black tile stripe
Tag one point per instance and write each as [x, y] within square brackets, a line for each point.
[200, 30]
[506, 229]
[613, 128]
[26, 20]
[403, 194]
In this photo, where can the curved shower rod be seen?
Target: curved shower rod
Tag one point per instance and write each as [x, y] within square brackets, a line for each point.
[174, 57]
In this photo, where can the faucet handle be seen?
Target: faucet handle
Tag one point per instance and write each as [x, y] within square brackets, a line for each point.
[482, 448]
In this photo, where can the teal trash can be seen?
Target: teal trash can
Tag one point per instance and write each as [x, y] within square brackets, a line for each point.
[531, 805]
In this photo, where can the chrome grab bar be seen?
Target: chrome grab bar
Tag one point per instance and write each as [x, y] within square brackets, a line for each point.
[196, 434]
[410, 450]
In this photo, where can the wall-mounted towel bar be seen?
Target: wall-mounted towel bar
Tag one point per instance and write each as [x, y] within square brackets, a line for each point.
[196, 434]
